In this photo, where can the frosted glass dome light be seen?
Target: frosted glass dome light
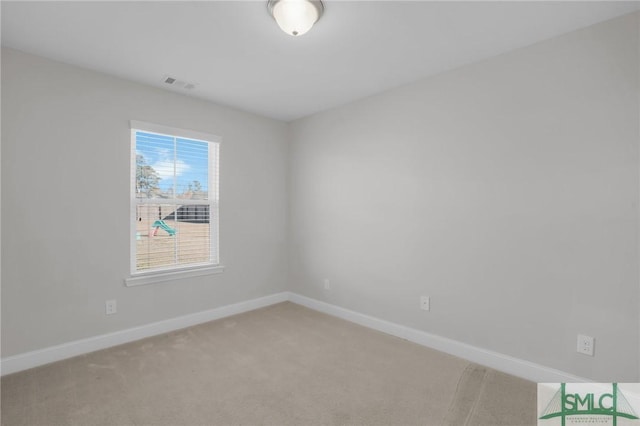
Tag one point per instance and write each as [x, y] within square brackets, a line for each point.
[295, 17]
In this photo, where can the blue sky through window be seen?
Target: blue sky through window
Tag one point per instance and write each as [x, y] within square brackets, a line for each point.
[178, 161]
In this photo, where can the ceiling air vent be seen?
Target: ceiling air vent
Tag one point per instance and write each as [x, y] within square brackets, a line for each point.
[179, 84]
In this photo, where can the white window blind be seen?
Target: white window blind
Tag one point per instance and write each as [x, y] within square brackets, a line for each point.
[174, 199]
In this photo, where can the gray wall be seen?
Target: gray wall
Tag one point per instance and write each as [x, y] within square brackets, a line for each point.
[65, 197]
[506, 190]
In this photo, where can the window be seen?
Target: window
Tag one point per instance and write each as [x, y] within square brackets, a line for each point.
[174, 202]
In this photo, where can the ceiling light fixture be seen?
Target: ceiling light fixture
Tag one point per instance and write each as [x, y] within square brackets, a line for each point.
[295, 17]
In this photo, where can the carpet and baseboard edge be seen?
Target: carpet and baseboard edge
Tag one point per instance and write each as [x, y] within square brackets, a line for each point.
[507, 364]
[24, 361]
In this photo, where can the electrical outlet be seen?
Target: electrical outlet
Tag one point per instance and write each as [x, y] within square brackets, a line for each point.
[110, 307]
[327, 284]
[425, 303]
[585, 344]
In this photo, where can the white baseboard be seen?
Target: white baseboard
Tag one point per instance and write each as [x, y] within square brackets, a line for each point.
[32, 359]
[507, 364]
[500, 362]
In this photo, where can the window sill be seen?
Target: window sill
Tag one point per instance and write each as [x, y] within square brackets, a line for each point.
[160, 276]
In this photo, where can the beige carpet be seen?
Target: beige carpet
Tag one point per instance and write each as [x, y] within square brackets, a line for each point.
[281, 365]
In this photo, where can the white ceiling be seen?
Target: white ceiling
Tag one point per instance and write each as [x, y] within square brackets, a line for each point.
[237, 55]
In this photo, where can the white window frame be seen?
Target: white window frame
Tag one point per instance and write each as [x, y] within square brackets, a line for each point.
[173, 273]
